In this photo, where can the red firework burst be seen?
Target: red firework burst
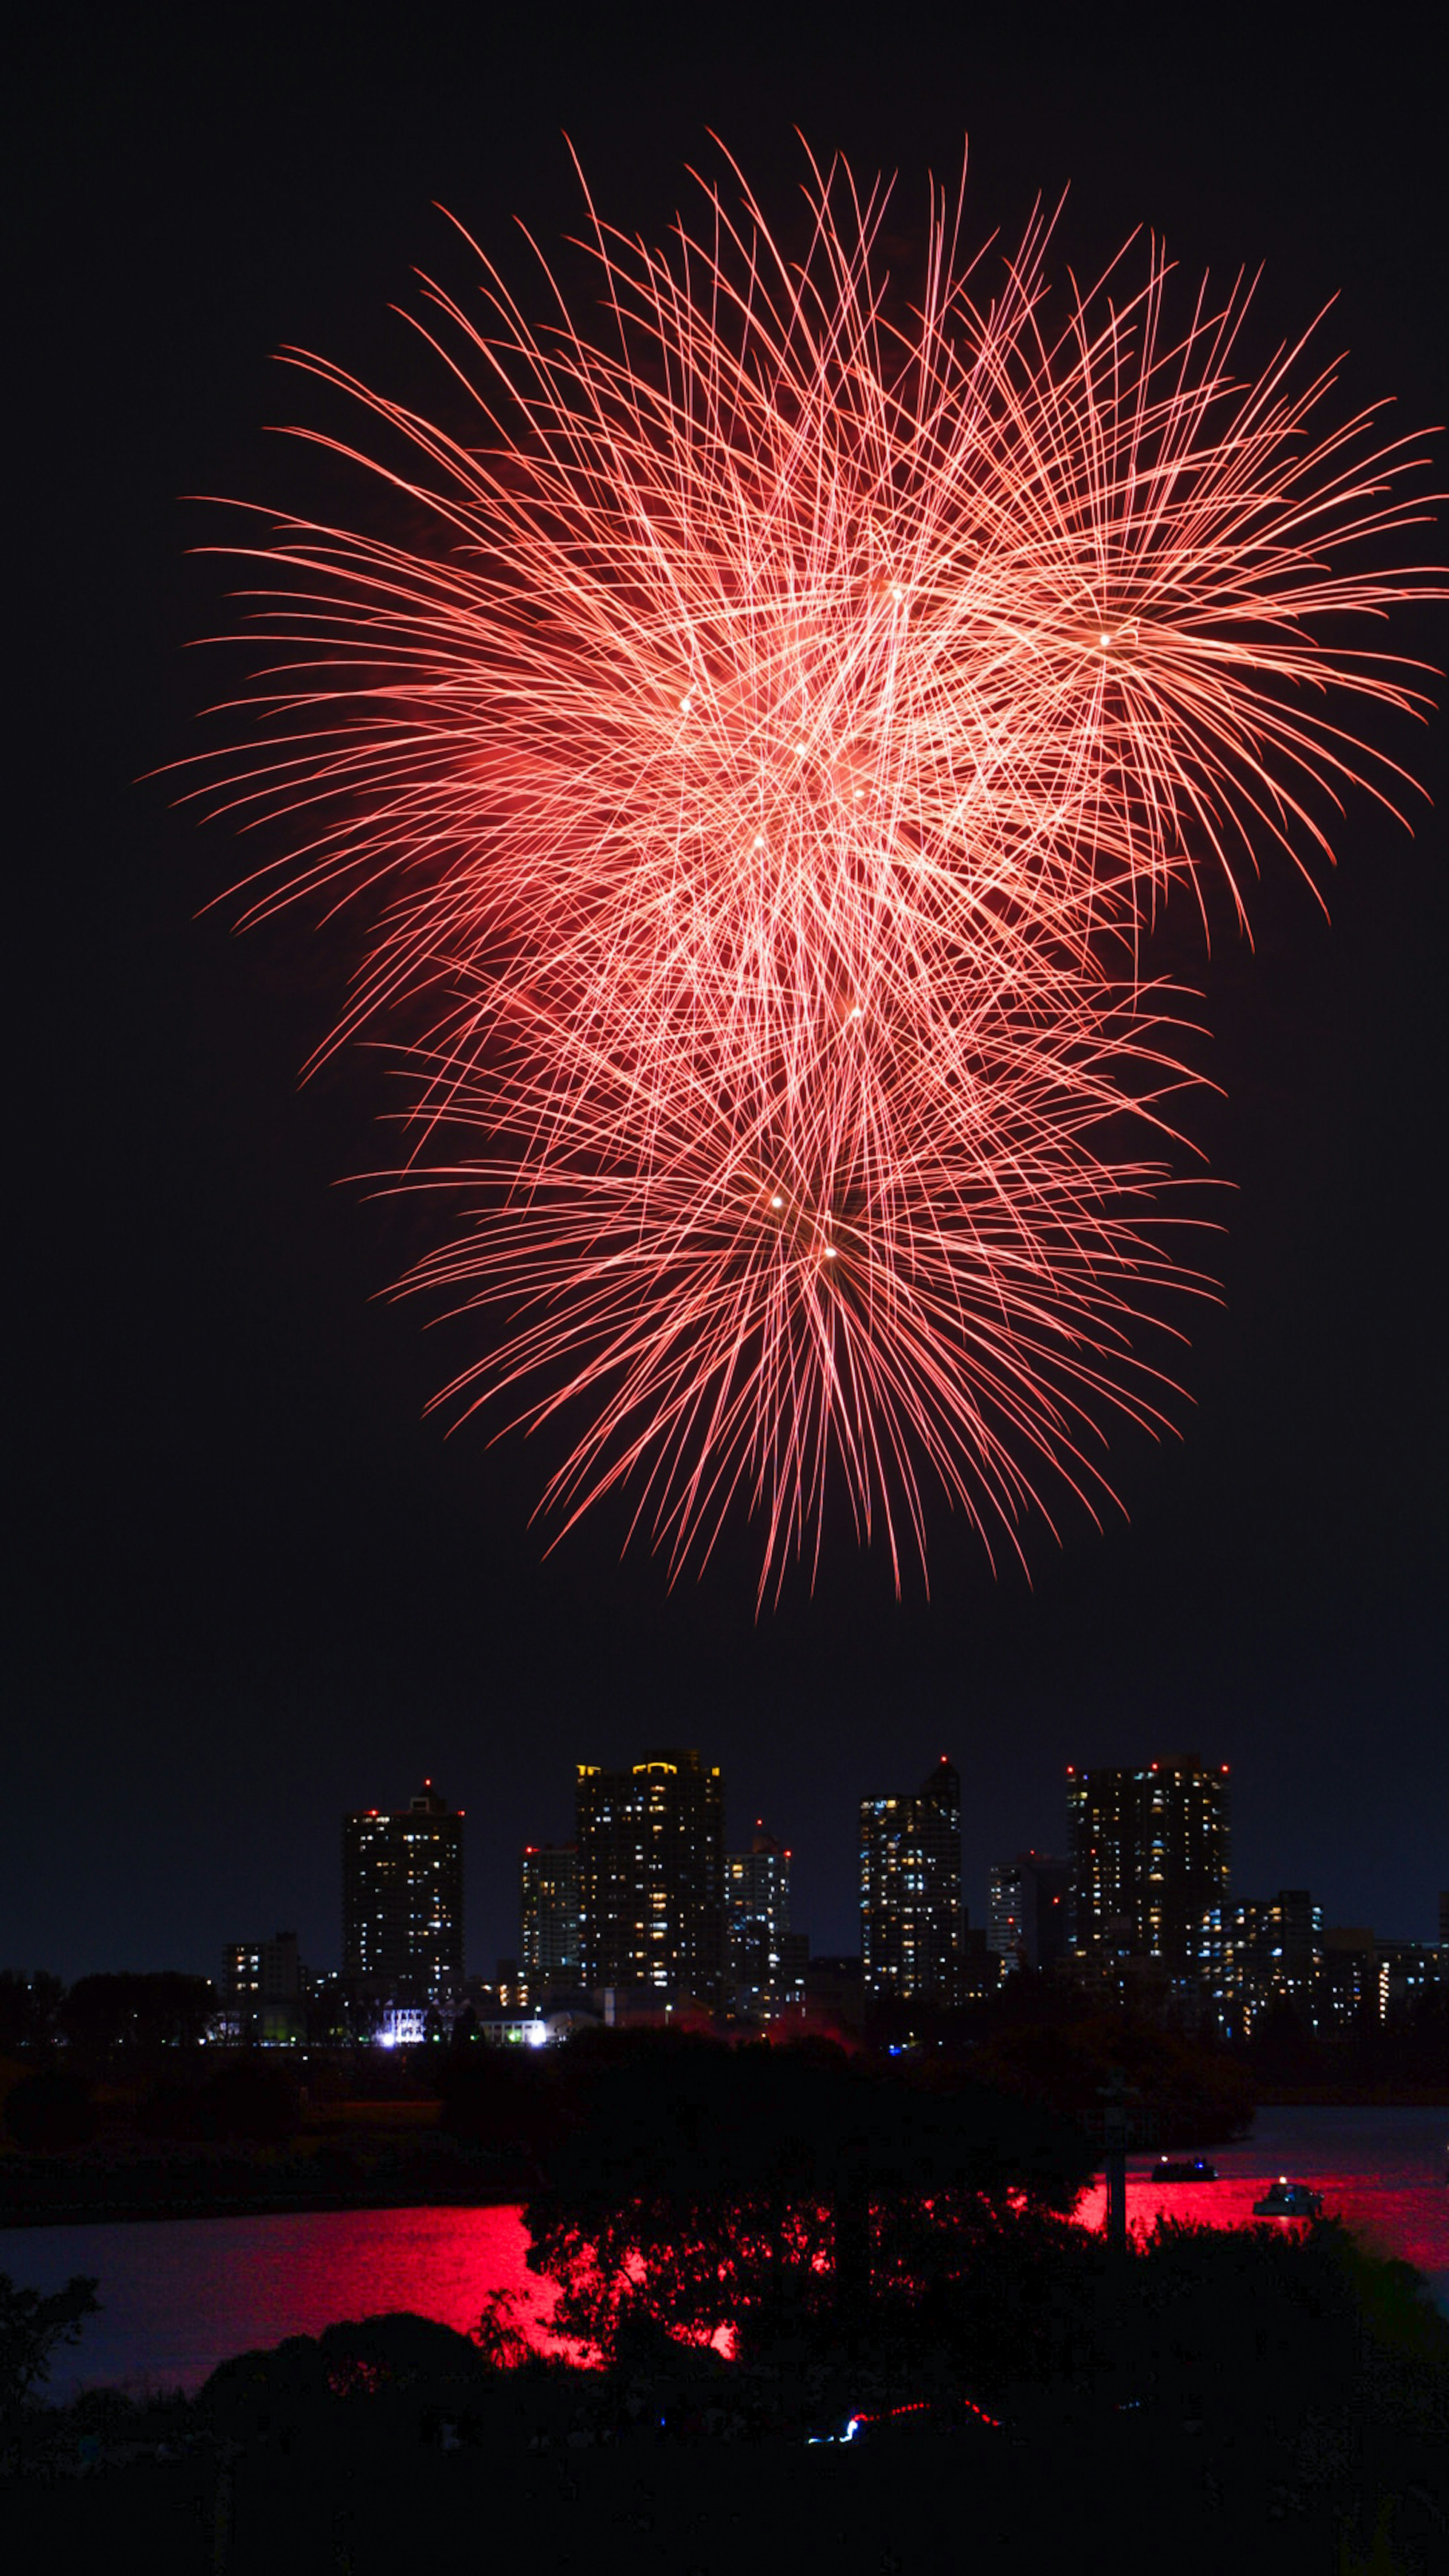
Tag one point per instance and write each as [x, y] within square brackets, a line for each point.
[769, 775]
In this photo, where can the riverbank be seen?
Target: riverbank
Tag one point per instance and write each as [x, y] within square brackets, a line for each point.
[371, 2172]
[1320, 2096]
[395, 2156]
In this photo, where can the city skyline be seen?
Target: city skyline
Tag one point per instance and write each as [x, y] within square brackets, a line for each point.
[647, 1914]
[1037, 1907]
[255, 1586]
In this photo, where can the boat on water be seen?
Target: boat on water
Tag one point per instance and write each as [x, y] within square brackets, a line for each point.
[1184, 2169]
[1285, 2199]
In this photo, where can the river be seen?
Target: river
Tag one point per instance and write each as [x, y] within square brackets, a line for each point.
[180, 2295]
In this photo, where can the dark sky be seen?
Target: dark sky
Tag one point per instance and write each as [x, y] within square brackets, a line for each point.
[252, 1586]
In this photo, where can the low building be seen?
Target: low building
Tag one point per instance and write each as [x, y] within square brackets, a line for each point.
[1345, 1996]
[1259, 1954]
[263, 2000]
[534, 2030]
[1409, 1971]
[835, 1996]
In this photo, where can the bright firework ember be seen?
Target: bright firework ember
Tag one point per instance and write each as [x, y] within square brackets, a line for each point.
[764, 782]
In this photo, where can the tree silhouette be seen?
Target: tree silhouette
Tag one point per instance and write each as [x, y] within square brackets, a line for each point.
[33, 2326]
[690, 2187]
[136, 2015]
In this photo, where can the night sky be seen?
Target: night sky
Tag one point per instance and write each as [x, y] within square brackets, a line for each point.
[252, 1585]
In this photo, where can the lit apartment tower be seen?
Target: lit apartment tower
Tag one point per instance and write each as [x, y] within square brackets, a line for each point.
[402, 1899]
[757, 1921]
[1028, 1901]
[1104, 1811]
[1149, 1860]
[650, 1845]
[549, 1911]
[912, 1922]
[1004, 1910]
[1186, 1849]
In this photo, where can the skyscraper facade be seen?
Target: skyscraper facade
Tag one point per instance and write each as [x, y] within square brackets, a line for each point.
[549, 1915]
[1149, 1856]
[912, 1922]
[402, 1899]
[757, 1923]
[1104, 1811]
[650, 1844]
[1185, 1840]
[1004, 1910]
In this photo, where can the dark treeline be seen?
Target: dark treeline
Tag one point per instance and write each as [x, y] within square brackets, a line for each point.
[113, 2100]
[102, 2016]
[118, 2106]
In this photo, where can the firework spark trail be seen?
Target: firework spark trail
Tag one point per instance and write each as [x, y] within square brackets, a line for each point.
[767, 783]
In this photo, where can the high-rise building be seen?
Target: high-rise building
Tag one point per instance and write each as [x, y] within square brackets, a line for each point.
[1028, 1907]
[1004, 1911]
[549, 1915]
[1105, 1822]
[912, 1919]
[1444, 1918]
[1186, 1853]
[757, 1923]
[1149, 1860]
[402, 1899]
[650, 1845]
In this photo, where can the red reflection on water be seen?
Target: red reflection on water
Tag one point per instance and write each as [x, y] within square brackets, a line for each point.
[181, 2295]
[1392, 2220]
[441, 2263]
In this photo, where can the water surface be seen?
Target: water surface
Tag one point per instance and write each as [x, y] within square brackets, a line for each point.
[1380, 2170]
[181, 2295]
